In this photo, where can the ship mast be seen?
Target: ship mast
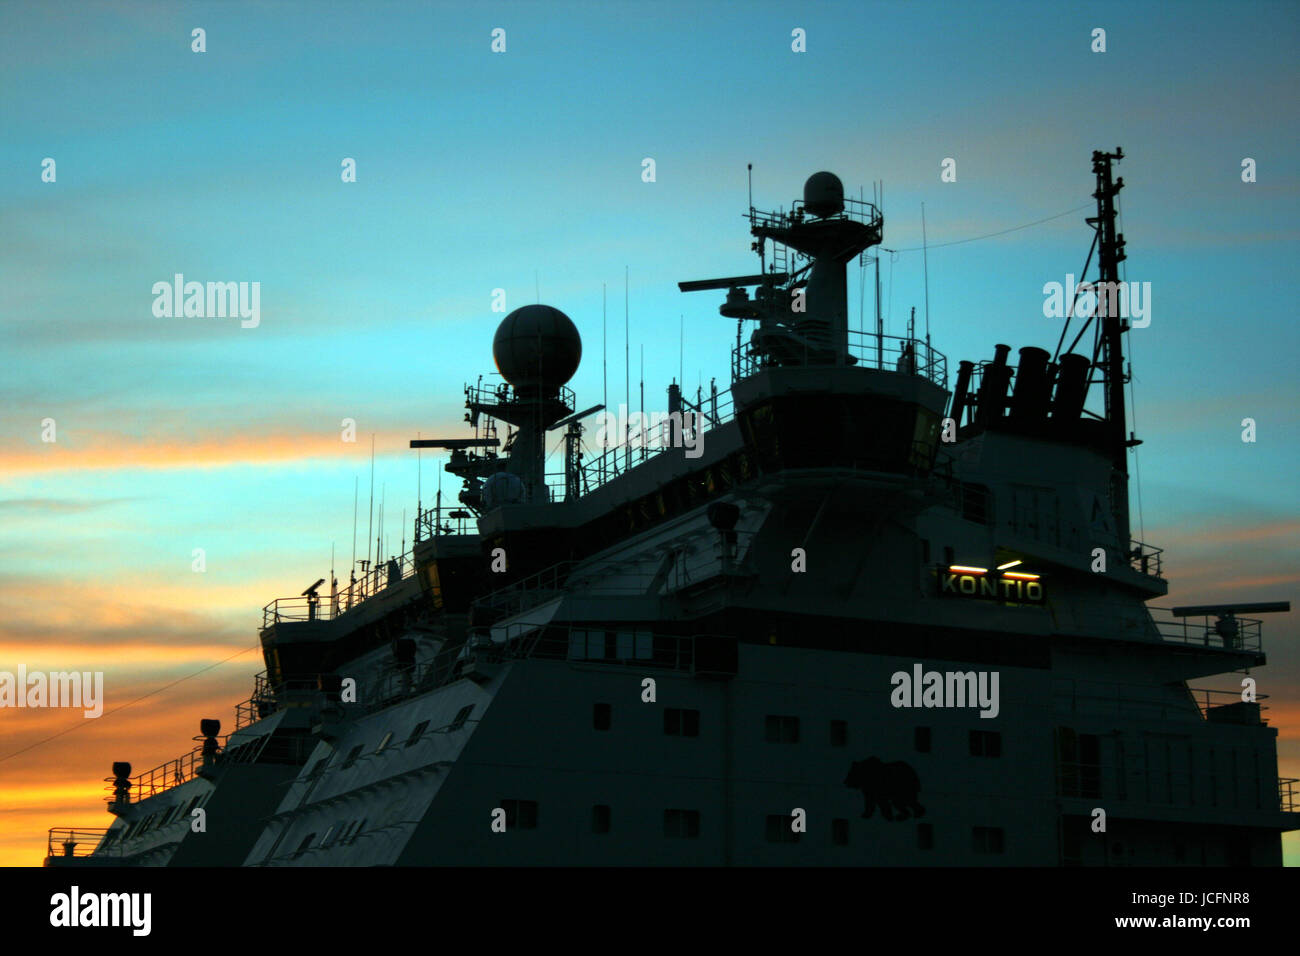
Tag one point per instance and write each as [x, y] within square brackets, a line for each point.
[1110, 248]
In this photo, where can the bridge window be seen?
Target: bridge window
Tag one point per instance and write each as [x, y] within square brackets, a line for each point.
[840, 832]
[988, 839]
[520, 814]
[985, 743]
[417, 733]
[462, 715]
[781, 729]
[839, 733]
[682, 824]
[681, 723]
[779, 829]
[353, 754]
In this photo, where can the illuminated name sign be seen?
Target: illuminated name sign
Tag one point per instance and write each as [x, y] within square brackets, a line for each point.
[1003, 586]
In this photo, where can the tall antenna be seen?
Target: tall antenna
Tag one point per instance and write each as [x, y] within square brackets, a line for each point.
[370, 531]
[627, 354]
[356, 481]
[419, 475]
[750, 168]
[604, 357]
[925, 255]
[641, 435]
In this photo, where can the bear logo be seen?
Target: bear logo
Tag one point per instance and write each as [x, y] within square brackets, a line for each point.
[891, 786]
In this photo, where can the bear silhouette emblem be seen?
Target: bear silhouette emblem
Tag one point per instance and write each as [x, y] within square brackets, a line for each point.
[890, 786]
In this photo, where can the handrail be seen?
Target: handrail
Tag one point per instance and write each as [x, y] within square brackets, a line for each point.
[889, 353]
[74, 842]
[165, 776]
[321, 608]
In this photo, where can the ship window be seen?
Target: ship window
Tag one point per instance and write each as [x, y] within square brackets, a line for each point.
[839, 733]
[985, 743]
[318, 767]
[353, 754]
[781, 729]
[988, 839]
[306, 842]
[357, 831]
[780, 829]
[520, 814]
[416, 733]
[682, 824]
[840, 832]
[600, 818]
[681, 723]
[600, 716]
[925, 836]
[325, 840]
[384, 743]
[921, 738]
[462, 715]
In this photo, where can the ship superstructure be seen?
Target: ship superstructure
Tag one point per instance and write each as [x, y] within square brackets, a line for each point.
[847, 615]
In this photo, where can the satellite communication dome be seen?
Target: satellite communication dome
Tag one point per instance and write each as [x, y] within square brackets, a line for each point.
[823, 194]
[537, 346]
[502, 488]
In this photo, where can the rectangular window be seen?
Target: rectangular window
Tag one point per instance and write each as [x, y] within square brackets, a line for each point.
[840, 832]
[416, 733]
[682, 824]
[839, 733]
[681, 723]
[779, 829]
[600, 818]
[600, 716]
[520, 814]
[921, 738]
[306, 842]
[925, 836]
[988, 839]
[384, 743]
[781, 729]
[353, 754]
[318, 767]
[985, 743]
[462, 715]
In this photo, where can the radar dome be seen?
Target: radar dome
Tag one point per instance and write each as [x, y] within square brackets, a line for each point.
[823, 194]
[537, 346]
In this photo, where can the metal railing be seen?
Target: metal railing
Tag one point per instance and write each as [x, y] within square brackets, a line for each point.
[889, 353]
[164, 777]
[329, 607]
[708, 411]
[74, 842]
[692, 563]
[1145, 558]
[1232, 634]
[1286, 794]
[1117, 698]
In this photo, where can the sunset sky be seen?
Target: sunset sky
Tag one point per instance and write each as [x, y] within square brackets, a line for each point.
[523, 171]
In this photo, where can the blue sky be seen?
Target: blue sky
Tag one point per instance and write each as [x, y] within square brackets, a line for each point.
[522, 170]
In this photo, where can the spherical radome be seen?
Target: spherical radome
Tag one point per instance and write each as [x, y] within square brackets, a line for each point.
[537, 346]
[823, 194]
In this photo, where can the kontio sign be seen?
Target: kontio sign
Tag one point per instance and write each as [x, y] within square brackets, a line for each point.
[1001, 585]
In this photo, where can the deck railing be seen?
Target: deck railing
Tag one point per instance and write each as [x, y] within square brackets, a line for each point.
[74, 842]
[888, 353]
[171, 774]
[327, 607]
